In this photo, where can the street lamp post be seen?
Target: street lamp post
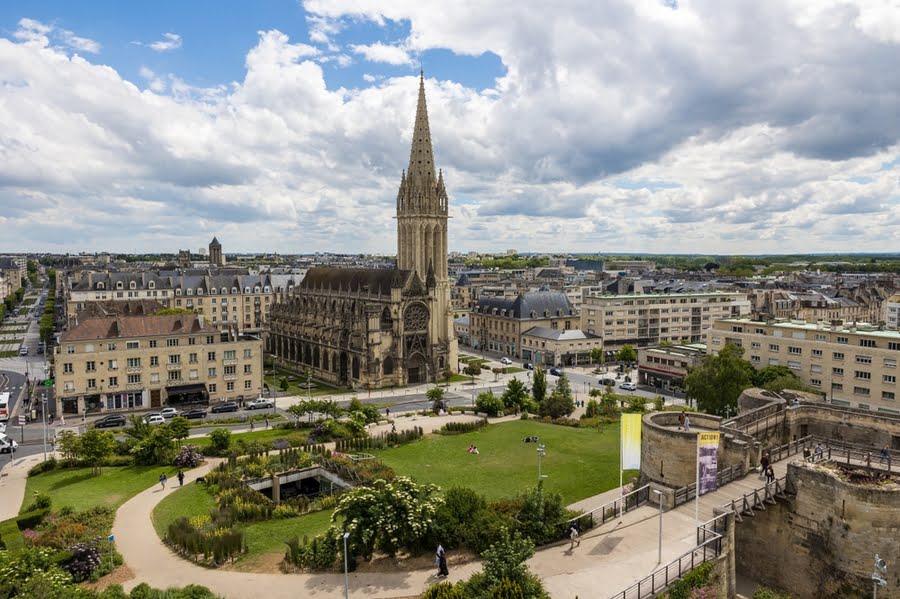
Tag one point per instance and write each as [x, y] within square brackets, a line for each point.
[44, 417]
[659, 500]
[346, 568]
[541, 452]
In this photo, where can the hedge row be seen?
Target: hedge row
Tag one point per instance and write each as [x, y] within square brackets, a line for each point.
[381, 441]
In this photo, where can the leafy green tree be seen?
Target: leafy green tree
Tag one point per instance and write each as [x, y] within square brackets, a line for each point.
[719, 380]
[597, 355]
[436, 396]
[387, 516]
[69, 445]
[96, 446]
[506, 558]
[472, 370]
[557, 405]
[220, 440]
[515, 395]
[156, 448]
[489, 403]
[763, 376]
[180, 428]
[284, 384]
[539, 385]
[563, 387]
[139, 428]
[626, 354]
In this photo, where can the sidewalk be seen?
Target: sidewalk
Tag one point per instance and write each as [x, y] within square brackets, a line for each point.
[12, 483]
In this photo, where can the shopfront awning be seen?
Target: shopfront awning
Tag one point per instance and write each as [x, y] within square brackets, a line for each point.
[195, 393]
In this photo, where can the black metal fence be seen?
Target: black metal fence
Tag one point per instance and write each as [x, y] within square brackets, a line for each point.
[611, 510]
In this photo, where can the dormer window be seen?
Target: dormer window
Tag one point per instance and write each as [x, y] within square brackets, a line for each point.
[178, 292]
[199, 292]
[533, 314]
[151, 285]
[100, 286]
[132, 285]
[267, 289]
[119, 285]
[256, 289]
[212, 291]
[247, 290]
[234, 290]
[190, 291]
[546, 313]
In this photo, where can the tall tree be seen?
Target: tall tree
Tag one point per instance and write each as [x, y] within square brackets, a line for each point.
[719, 380]
[515, 395]
[96, 446]
[597, 355]
[181, 428]
[539, 385]
[626, 354]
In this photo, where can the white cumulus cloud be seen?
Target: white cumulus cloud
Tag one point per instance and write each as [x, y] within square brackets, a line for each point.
[171, 41]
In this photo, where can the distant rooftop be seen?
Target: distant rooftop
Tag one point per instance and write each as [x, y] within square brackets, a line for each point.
[861, 328]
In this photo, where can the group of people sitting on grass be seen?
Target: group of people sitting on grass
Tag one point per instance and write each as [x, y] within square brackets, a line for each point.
[530, 440]
[472, 449]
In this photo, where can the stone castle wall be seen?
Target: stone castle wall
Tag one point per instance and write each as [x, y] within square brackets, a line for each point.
[822, 541]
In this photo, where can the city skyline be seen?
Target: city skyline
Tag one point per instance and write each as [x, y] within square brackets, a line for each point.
[283, 129]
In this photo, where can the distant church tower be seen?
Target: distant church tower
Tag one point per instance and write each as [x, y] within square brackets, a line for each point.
[215, 253]
[422, 231]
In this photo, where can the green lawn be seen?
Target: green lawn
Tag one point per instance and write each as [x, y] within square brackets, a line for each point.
[578, 462]
[78, 488]
[294, 380]
[260, 434]
[191, 500]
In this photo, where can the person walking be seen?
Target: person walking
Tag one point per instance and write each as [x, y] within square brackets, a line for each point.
[681, 420]
[251, 425]
[267, 422]
[687, 423]
[764, 464]
[162, 480]
[885, 455]
[573, 536]
[440, 559]
[770, 475]
[180, 478]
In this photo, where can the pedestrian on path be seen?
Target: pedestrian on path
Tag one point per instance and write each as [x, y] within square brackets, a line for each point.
[573, 536]
[180, 478]
[251, 425]
[764, 464]
[267, 422]
[770, 475]
[162, 480]
[687, 423]
[681, 420]
[885, 455]
[440, 559]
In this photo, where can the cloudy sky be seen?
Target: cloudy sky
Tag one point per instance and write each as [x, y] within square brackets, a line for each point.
[575, 125]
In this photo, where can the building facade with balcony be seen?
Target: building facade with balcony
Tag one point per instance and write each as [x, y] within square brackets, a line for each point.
[498, 323]
[851, 365]
[147, 362]
[650, 319]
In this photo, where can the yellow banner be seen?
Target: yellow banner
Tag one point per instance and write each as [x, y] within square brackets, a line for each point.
[708, 439]
[631, 441]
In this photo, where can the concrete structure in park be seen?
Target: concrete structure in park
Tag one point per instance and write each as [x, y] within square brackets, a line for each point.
[216, 257]
[371, 328]
[559, 347]
[650, 319]
[498, 323]
[853, 365]
[125, 363]
[665, 367]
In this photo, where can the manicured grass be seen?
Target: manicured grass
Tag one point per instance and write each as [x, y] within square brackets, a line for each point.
[8, 354]
[294, 388]
[269, 536]
[578, 462]
[260, 434]
[191, 500]
[78, 488]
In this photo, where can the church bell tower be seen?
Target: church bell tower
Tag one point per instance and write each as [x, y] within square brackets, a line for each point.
[422, 233]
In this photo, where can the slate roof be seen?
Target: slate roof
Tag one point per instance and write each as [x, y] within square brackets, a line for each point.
[560, 334]
[137, 326]
[377, 281]
[534, 304]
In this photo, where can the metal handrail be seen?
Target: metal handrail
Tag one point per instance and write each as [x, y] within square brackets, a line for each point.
[863, 459]
[641, 495]
[746, 503]
[658, 581]
[723, 477]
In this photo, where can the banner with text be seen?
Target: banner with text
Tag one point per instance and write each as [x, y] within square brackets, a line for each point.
[707, 458]
[631, 441]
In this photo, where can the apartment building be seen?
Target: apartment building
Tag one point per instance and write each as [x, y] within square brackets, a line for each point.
[666, 366]
[653, 318]
[140, 362]
[497, 323]
[226, 299]
[892, 312]
[851, 365]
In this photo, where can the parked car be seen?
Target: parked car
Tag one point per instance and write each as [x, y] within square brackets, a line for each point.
[168, 412]
[195, 413]
[556, 371]
[23, 351]
[228, 406]
[628, 386]
[7, 445]
[154, 419]
[259, 403]
[111, 420]
[505, 360]
[608, 381]
[528, 366]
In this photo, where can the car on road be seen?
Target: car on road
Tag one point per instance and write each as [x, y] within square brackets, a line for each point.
[195, 413]
[607, 381]
[628, 386]
[228, 406]
[556, 371]
[169, 412]
[154, 419]
[7, 445]
[23, 351]
[528, 366]
[505, 360]
[258, 404]
[111, 420]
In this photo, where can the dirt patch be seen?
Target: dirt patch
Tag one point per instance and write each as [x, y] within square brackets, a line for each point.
[268, 563]
[120, 575]
[383, 563]
[112, 499]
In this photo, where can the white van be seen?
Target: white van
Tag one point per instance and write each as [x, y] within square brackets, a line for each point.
[4, 406]
[7, 445]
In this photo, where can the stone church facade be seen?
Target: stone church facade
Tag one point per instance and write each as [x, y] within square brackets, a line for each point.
[373, 328]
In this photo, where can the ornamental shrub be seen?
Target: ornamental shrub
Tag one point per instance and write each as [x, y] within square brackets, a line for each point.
[85, 559]
[220, 441]
[489, 403]
[444, 590]
[188, 456]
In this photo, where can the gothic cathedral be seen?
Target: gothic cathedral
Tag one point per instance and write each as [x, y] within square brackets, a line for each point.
[375, 328]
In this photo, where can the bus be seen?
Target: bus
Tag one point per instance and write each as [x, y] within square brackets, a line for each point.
[4, 406]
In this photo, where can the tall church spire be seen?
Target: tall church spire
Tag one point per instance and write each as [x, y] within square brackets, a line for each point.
[421, 159]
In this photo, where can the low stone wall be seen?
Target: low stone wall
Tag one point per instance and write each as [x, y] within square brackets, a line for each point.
[669, 456]
[822, 541]
[847, 425]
